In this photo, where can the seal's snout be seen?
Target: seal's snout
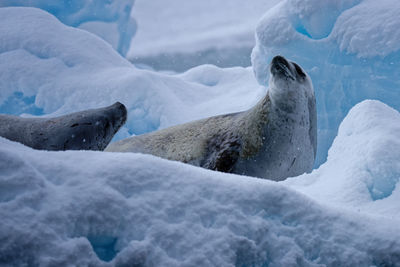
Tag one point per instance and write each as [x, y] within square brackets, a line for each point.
[120, 114]
[280, 66]
[121, 107]
[279, 60]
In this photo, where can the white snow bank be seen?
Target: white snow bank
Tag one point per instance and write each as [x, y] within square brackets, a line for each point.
[60, 69]
[88, 208]
[125, 209]
[109, 19]
[350, 48]
[363, 168]
[180, 34]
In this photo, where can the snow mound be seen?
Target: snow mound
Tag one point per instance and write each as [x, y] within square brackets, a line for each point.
[178, 35]
[110, 20]
[61, 208]
[85, 208]
[363, 168]
[61, 70]
[350, 48]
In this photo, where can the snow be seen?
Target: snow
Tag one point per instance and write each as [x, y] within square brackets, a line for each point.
[178, 35]
[54, 74]
[106, 209]
[363, 168]
[69, 76]
[85, 208]
[111, 20]
[350, 48]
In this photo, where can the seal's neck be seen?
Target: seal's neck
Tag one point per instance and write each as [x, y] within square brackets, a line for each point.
[285, 98]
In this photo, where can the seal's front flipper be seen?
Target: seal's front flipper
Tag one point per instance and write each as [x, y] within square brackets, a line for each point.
[222, 153]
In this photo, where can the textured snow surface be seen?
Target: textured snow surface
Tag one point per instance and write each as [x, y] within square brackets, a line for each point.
[109, 19]
[61, 69]
[123, 209]
[363, 168]
[180, 34]
[350, 48]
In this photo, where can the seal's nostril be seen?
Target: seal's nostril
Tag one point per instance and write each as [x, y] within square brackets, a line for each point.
[280, 66]
[279, 59]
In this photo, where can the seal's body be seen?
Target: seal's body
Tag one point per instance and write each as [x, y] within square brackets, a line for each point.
[275, 139]
[85, 130]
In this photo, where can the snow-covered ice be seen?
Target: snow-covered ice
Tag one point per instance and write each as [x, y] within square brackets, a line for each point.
[350, 48]
[363, 168]
[109, 19]
[62, 70]
[180, 34]
[68, 76]
[111, 209]
[123, 209]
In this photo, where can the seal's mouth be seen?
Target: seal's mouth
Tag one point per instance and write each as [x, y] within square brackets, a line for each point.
[280, 67]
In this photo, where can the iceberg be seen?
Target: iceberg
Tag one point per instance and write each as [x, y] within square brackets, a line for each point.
[350, 48]
[109, 19]
[367, 149]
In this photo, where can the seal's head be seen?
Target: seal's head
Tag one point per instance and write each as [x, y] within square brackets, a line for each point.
[110, 121]
[90, 129]
[287, 80]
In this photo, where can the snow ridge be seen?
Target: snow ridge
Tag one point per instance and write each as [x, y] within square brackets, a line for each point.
[60, 208]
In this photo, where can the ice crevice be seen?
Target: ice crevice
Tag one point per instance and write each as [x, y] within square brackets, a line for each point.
[382, 183]
[104, 246]
[316, 21]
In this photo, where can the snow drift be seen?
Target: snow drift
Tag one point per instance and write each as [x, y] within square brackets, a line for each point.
[363, 168]
[122, 209]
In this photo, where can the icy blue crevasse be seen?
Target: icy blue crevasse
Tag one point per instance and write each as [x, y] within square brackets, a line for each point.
[104, 246]
[382, 186]
[18, 104]
[109, 19]
[317, 19]
[345, 69]
[383, 177]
